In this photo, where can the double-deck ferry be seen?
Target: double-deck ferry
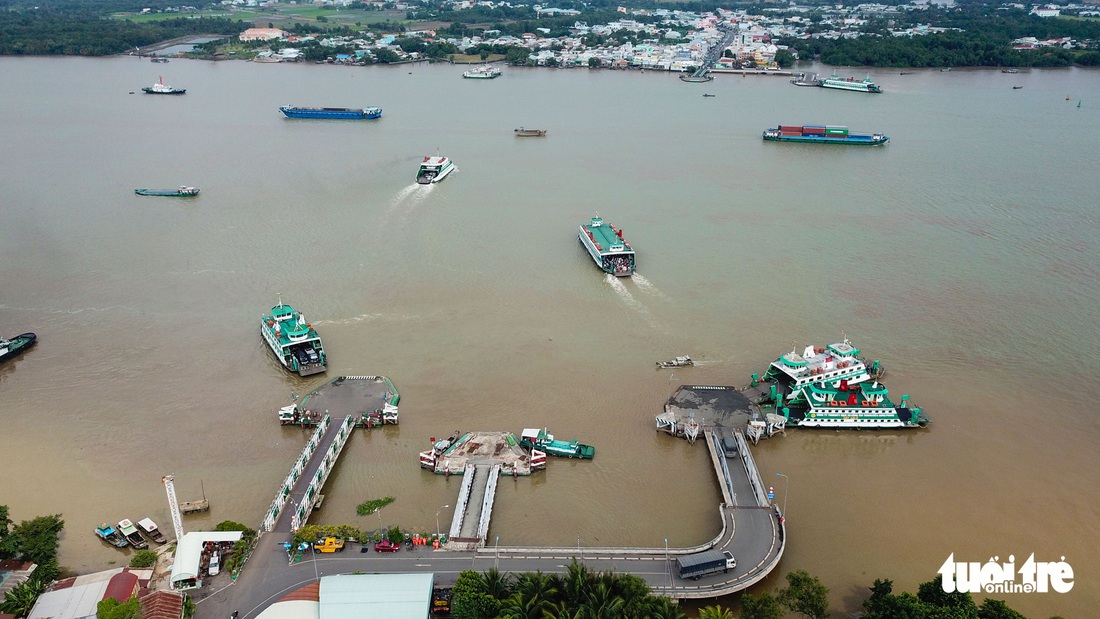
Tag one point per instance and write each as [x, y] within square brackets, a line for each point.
[831, 365]
[861, 405]
[850, 83]
[434, 169]
[608, 248]
[293, 340]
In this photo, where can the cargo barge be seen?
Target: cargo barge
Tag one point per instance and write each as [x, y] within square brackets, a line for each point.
[608, 248]
[331, 113]
[822, 134]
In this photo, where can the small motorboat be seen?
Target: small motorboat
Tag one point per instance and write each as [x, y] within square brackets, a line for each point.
[135, 539]
[677, 362]
[707, 94]
[529, 133]
[1017, 87]
[111, 535]
[151, 530]
[16, 345]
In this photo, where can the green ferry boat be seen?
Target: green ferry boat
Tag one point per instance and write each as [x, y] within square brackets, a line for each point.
[831, 365]
[608, 248]
[534, 438]
[864, 405]
[293, 340]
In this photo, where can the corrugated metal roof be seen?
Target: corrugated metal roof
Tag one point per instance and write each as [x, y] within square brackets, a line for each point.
[381, 596]
[189, 552]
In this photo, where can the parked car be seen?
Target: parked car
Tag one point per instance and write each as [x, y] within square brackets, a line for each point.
[215, 566]
[386, 546]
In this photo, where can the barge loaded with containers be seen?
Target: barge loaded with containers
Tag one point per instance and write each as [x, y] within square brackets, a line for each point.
[822, 134]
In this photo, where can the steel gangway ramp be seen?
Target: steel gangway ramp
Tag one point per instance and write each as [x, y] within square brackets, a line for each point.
[475, 504]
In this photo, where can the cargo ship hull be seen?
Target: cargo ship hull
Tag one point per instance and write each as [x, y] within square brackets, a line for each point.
[823, 134]
[331, 113]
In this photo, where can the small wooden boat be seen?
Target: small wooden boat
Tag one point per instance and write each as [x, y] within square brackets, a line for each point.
[707, 94]
[130, 531]
[1017, 87]
[677, 362]
[151, 530]
[16, 345]
[906, 73]
[110, 535]
[530, 133]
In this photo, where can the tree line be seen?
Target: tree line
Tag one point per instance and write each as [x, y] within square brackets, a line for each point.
[43, 33]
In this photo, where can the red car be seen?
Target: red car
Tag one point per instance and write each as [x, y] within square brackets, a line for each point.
[386, 546]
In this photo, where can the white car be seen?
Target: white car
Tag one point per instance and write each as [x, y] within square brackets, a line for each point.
[215, 567]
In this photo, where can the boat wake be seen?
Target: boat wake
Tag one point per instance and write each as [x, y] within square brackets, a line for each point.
[366, 318]
[646, 285]
[620, 289]
[409, 197]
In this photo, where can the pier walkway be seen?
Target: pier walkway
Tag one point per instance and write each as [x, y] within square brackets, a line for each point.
[470, 524]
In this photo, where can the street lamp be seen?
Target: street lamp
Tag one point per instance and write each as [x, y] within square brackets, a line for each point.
[378, 512]
[786, 487]
[437, 520]
[668, 566]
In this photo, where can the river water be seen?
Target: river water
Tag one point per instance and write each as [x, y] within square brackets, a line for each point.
[964, 255]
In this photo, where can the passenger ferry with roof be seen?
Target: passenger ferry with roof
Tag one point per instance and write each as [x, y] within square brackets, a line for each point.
[293, 340]
[830, 365]
[434, 169]
[850, 83]
[486, 72]
[860, 405]
[608, 248]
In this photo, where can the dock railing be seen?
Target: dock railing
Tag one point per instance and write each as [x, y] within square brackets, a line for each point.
[292, 476]
[305, 507]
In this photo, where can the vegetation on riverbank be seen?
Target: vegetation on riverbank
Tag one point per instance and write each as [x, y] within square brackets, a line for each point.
[35, 541]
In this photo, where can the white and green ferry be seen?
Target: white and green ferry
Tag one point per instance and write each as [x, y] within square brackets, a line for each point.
[608, 248]
[863, 405]
[293, 340]
[833, 365]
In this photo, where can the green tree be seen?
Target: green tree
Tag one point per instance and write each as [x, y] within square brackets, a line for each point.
[962, 604]
[997, 609]
[763, 606]
[9, 544]
[111, 609]
[602, 602]
[784, 58]
[497, 584]
[144, 558]
[805, 595]
[716, 612]
[38, 538]
[594, 63]
[470, 598]
[20, 600]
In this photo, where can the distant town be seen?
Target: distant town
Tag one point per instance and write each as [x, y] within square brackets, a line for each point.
[664, 39]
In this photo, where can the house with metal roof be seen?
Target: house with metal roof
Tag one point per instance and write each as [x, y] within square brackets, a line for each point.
[358, 596]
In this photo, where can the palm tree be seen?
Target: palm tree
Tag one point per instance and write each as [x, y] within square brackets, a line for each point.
[574, 585]
[496, 584]
[715, 612]
[561, 610]
[20, 600]
[602, 603]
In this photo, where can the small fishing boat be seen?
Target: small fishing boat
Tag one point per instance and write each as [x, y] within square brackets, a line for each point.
[111, 535]
[128, 529]
[1010, 70]
[151, 530]
[1017, 87]
[906, 73]
[16, 345]
[707, 94]
[156, 59]
[433, 170]
[183, 191]
[529, 133]
[677, 362]
[160, 89]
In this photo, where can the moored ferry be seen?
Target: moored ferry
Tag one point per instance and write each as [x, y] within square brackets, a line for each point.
[822, 134]
[293, 340]
[331, 113]
[850, 83]
[831, 365]
[434, 169]
[863, 405]
[534, 438]
[608, 248]
[486, 72]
